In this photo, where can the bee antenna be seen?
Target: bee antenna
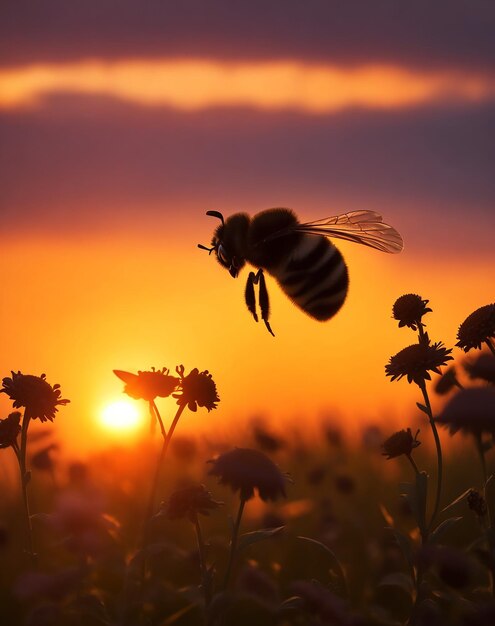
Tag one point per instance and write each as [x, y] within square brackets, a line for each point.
[209, 250]
[216, 214]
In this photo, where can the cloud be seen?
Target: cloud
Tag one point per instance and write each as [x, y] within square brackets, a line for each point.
[421, 34]
[197, 84]
[86, 163]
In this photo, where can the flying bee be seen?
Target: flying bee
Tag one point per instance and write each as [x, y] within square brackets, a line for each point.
[307, 266]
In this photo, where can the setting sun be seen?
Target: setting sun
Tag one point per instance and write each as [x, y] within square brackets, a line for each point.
[122, 416]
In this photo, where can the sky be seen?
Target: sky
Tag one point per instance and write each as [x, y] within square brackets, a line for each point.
[122, 123]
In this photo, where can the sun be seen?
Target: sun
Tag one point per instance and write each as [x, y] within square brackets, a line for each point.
[121, 416]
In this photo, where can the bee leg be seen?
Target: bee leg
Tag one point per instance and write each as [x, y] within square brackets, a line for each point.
[264, 300]
[250, 295]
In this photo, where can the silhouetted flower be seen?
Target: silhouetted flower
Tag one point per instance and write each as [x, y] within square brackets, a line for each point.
[197, 389]
[483, 368]
[10, 427]
[477, 328]
[148, 385]
[38, 397]
[408, 310]
[189, 502]
[447, 381]
[246, 470]
[42, 460]
[454, 567]
[401, 442]
[345, 484]
[476, 502]
[471, 410]
[417, 361]
[265, 440]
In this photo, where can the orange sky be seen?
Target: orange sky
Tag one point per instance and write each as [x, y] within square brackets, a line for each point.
[131, 302]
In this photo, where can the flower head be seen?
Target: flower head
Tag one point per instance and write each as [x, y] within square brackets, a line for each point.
[477, 503]
[401, 442]
[477, 328]
[417, 361]
[38, 397]
[189, 502]
[246, 470]
[482, 368]
[447, 381]
[409, 309]
[471, 411]
[10, 427]
[197, 389]
[148, 385]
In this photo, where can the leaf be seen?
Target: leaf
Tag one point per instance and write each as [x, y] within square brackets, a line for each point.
[386, 515]
[422, 407]
[330, 560]
[443, 527]
[456, 501]
[248, 539]
[398, 579]
[172, 619]
[405, 548]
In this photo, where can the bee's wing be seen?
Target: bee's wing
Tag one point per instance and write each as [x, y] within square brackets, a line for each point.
[366, 227]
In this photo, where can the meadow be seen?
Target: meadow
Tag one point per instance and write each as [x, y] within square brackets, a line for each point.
[265, 525]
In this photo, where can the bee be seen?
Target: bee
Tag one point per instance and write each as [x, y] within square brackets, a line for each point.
[307, 266]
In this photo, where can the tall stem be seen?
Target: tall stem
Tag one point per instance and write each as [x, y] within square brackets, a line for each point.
[202, 562]
[489, 343]
[155, 415]
[163, 453]
[439, 453]
[481, 454]
[233, 543]
[25, 477]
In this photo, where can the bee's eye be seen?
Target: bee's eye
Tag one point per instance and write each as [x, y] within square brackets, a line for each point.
[222, 255]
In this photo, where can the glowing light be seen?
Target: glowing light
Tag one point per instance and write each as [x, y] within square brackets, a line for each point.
[122, 416]
[271, 85]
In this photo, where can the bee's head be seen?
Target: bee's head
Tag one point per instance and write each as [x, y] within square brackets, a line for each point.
[223, 248]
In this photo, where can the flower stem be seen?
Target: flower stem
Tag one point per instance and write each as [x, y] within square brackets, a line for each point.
[163, 453]
[202, 562]
[25, 477]
[481, 454]
[439, 454]
[413, 463]
[155, 415]
[233, 543]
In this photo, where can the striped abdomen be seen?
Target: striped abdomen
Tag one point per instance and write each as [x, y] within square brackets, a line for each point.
[314, 276]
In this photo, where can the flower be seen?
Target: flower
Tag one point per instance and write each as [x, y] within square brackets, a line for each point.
[197, 389]
[401, 442]
[148, 385]
[477, 328]
[483, 368]
[188, 502]
[471, 410]
[409, 309]
[447, 381]
[476, 502]
[246, 470]
[38, 397]
[417, 361]
[10, 427]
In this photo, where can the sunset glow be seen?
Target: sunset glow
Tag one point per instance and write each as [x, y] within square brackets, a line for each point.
[198, 84]
[121, 417]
